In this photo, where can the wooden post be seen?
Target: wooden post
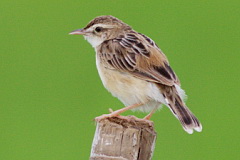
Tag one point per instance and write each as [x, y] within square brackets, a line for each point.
[123, 138]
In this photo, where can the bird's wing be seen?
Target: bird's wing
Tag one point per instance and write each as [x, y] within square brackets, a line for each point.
[138, 55]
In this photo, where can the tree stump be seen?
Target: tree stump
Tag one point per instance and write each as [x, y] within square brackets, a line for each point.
[123, 138]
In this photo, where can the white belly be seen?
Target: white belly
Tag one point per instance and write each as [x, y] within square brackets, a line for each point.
[130, 90]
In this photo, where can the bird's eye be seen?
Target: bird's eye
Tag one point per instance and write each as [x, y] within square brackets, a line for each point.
[98, 29]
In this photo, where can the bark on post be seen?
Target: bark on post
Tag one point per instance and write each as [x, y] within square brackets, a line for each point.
[123, 138]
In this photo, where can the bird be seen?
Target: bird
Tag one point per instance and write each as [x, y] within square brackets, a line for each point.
[134, 69]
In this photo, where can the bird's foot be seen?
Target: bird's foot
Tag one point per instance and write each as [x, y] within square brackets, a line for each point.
[145, 120]
[119, 116]
[112, 114]
[126, 118]
[104, 116]
[131, 119]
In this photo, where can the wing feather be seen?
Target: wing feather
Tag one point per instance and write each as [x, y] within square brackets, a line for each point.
[138, 55]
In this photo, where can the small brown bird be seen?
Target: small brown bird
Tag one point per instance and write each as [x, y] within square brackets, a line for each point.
[135, 70]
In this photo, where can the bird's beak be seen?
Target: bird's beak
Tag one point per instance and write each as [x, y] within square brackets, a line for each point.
[79, 31]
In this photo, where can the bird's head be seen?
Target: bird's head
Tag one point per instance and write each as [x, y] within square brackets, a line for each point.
[101, 29]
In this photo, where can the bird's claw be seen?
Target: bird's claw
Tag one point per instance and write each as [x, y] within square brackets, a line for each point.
[104, 116]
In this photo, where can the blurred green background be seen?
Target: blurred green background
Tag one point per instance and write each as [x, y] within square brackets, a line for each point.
[50, 90]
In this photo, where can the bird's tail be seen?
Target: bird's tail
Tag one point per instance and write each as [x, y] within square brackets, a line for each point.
[180, 110]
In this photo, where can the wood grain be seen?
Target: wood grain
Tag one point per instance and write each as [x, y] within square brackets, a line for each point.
[123, 138]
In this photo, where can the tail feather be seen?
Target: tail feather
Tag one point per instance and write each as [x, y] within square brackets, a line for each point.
[185, 116]
[180, 110]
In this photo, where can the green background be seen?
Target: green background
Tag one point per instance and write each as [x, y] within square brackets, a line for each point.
[50, 90]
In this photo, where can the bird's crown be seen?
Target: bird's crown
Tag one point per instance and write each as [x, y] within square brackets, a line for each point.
[107, 20]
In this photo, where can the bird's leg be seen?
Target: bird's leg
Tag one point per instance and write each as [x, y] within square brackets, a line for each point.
[117, 112]
[147, 117]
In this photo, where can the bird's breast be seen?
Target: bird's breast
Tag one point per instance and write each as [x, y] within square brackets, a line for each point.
[126, 87]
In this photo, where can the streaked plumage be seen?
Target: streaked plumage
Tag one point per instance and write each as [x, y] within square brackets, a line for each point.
[135, 70]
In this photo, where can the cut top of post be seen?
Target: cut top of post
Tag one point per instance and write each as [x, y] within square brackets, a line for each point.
[123, 138]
